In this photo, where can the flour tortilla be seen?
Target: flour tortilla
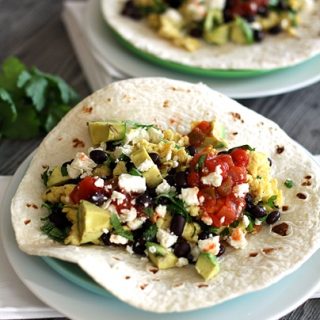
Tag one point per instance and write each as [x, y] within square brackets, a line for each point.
[274, 52]
[175, 104]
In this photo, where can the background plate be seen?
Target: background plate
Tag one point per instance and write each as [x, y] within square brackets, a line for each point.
[108, 51]
[78, 303]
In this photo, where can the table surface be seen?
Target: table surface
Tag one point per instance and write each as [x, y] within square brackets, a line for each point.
[33, 31]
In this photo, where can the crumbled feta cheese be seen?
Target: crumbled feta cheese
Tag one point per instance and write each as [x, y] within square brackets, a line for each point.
[127, 215]
[207, 220]
[174, 16]
[237, 239]
[195, 252]
[118, 196]
[81, 166]
[115, 238]
[190, 196]
[210, 245]
[146, 165]
[213, 178]
[99, 183]
[163, 187]
[135, 135]
[106, 204]
[105, 230]
[182, 262]
[112, 209]
[201, 199]
[129, 249]
[132, 183]
[168, 155]
[155, 135]
[136, 223]
[152, 249]
[175, 164]
[118, 151]
[161, 210]
[166, 239]
[195, 10]
[216, 4]
[240, 190]
[257, 222]
[245, 221]
[256, 25]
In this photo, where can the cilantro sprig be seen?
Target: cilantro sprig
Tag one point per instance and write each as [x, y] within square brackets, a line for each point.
[289, 183]
[118, 229]
[31, 102]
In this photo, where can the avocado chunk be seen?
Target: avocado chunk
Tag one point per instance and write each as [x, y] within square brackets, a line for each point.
[164, 223]
[207, 265]
[91, 221]
[241, 32]
[160, 256]
[191, 231]
[58, 177]
[213, 18]
[218, 36]
[217, 138]
[152, 175]
[101, 170]
[103, 131]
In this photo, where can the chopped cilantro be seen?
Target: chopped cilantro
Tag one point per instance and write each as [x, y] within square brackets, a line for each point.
[135, 172]
[200, 163]
[150, 233]
[258, 177]
[289, 183]
[64, 171]
[148, 211]
[45, 176]
[234, 224]
[118, 228]
[271, 202]
[135, 125]
[53, 232]
[225, 232]
[124, 158]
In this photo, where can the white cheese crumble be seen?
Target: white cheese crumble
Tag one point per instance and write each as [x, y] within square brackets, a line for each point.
[210, 245]
[129, 249]
[118, 197]
[136, 223]
[240, 190]
[214, 178]
[126, 149]
[257, 222]
[81, 166]
[132, 183]
[115, 238]
[128, 215]
[136, 135]
[163, 187]
[166, 239]
[216, 4]
[152, 249]
[207, 220]
[155, 135]
[161, 210]
[174, 16]
[99, 183]
[237, 239]
[245, 221]
[182, 262]
[195, 252]
[146, 165]
[190, 196]
[195, 10]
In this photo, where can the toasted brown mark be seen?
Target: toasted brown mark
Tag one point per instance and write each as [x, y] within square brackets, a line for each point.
[109, 99]
[154, 270]
[235, 116]
[257, 228]
[268, 250]
[285, 208]
[306, 183]
[202, 285]
[165, 104]
[281, 229]
[87, 109]
[27, 221]
[279, 149]
[301, 196]
[60, 138]
[45, 166]
[179, 89]
[234, 133]
[143, 286]
[172, 121]
[32, 205]
[116, 258]
[127, 277]
[253, 254]
[78, 143]
[177, 285]
[308, 177]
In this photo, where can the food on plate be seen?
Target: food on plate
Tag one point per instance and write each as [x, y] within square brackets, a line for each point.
[170, 189]
[218, 34]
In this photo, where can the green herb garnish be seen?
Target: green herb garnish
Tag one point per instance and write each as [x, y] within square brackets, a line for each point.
[53, 232]
[45, 176]
[150, 233]
[136, 125]
[118, 228]
[289, 183]
[64, 171]
[271, 202]
[148, 211]
[225, 232]
[31, 102]
[135, 172]
[199, 165]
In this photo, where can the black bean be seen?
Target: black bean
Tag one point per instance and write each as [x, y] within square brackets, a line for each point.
[177, 224]
[181, 179]
[105, 238]
[205, 234]
[221, 250]
[249, 17]
[171, 179]
[164, 201]
[98, 156]
[257, 211]
[59, 219]
[227, 16]
[258, 35]
[131, 11]
[270, 162]
[144, 200]
[182, 248]
[196, 32]
[174, 3]
[263, 11]
[249, 202]
[191, 150]
[275, 30]
[98, 198]
[155, 158]
[273, 217]
[139, 246]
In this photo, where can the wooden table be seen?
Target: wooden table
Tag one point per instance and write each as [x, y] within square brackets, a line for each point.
[33, 31]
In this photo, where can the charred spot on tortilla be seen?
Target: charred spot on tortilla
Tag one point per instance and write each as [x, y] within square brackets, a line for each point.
[165, 104]
[32, 205]
[203, 285]
[268, 250]
[235, 116]
[253, 254]
[127, 277]
[116, 258]
[301, 196]
[60, 139]
[143, 286]
[281, 229]
[77, 143]
[154, 270]
[87, 109]
[26, 221]
[285, 208]
[308, 177]
[177, 285]
[306, 183]
[234, 133]
[279, 149]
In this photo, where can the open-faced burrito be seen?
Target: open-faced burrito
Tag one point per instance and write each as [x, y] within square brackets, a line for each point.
[170, 195]
[219, 34]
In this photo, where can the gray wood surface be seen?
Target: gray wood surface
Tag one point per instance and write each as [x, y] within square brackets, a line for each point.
[33, 31]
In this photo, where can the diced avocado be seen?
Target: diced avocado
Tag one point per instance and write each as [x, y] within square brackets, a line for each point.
[214, 17]
[164, 223]
[120, 168]
[219, 35]
[191, 231]
[161, 257]
[101, 170]
[272, 20]
[218, 134]
[57, 177]
[207, 265]
[153, 175]
[102, 131]
[241, 32]
[91, 222]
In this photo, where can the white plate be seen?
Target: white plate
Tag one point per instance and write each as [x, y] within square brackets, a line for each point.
[108, 51]
[77, 303]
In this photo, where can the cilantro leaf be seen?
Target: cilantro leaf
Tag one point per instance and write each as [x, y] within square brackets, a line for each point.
[11, 68]
[135, 125]
[271, 202]
[200, 163]
[289, 183]
[45, 176]
[135, 172]
[8, 110]
[150, 233]
[53, 232]
[118, 228]
[36, 91]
